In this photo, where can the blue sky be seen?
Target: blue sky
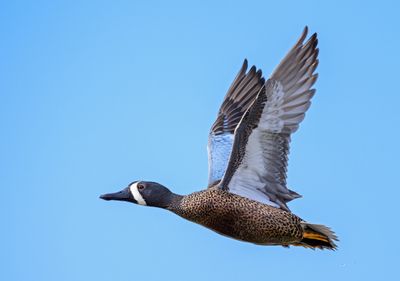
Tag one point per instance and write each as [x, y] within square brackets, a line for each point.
[95, 94]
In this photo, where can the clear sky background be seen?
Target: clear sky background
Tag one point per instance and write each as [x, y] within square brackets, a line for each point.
[95, 94]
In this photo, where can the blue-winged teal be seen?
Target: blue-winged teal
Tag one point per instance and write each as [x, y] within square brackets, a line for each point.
[248, 151]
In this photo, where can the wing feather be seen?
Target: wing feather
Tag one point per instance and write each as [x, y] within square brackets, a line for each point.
[258, 162]
[240, 95]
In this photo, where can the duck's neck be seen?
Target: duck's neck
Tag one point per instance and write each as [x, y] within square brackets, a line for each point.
[170, 201]
[175, 200]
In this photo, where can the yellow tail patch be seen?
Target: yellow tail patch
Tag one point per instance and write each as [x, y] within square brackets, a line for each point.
[315, 236]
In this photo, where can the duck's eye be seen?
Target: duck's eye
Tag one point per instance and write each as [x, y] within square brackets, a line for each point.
[140, 186]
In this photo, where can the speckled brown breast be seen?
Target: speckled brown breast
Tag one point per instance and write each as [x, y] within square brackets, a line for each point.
[240, 218]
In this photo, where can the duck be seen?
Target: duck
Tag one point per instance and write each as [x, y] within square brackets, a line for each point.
[248, 144]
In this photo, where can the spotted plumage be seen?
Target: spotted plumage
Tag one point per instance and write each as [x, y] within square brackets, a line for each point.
[239, 217]
[246, 198]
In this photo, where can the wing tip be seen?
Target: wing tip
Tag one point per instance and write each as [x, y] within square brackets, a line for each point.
[245, 64]
[302, 36]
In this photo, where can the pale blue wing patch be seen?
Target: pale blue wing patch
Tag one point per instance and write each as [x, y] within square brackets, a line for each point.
[219, 150]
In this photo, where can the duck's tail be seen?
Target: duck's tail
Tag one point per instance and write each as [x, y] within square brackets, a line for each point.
[318, 236]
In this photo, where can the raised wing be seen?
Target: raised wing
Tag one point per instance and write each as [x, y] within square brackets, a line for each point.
[258, 162]
[240, 95]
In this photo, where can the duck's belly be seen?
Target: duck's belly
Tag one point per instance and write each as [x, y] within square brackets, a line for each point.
[243, 219]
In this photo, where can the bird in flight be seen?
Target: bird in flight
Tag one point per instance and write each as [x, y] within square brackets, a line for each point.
[248, 145]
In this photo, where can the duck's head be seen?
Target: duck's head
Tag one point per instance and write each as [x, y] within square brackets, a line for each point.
[144, 193]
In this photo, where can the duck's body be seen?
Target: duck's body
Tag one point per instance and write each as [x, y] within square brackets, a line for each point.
[246, 198]
[240, 218]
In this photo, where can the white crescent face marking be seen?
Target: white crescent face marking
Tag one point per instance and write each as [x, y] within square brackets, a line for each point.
[136, 194]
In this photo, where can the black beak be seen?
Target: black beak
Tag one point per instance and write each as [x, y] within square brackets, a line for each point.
[123, 195]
